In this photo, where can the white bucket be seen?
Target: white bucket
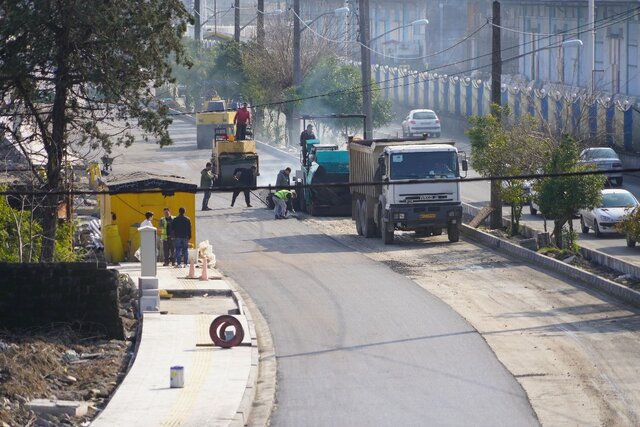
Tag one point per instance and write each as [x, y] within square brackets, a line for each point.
[177, 377]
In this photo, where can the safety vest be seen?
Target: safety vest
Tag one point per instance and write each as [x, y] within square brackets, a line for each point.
[283, 194]
[164, 232]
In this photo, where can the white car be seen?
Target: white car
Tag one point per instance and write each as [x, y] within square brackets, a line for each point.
[604, 159]
[419, 122]
[615, 206]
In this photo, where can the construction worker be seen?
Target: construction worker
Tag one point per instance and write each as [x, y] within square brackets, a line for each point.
[206, 182]
[280, 198]
[241, 120]
[244, 178]
[283, 180]
[304, 136]
[168, 250]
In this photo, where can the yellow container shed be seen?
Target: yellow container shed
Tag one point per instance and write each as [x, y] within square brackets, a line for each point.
[130, 196]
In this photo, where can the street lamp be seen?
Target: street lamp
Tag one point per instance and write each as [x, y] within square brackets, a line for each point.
[341, 11]
[560, 64]
[416, 23]
[273, 13]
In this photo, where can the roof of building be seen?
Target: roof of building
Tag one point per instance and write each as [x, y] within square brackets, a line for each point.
[147, 181]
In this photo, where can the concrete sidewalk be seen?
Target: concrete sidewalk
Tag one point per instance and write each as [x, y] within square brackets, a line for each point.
[219, 384]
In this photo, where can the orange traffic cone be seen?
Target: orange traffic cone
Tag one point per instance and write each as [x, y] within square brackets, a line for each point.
[192, 270]
[205, 269]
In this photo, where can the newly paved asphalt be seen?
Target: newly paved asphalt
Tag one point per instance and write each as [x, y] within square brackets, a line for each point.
[356, 343]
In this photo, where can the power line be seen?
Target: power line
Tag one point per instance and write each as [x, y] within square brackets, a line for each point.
[310, 186]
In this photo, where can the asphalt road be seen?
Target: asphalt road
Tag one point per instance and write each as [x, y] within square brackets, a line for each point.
[356, 343]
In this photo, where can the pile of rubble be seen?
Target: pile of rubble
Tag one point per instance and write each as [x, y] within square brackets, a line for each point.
[57, 364]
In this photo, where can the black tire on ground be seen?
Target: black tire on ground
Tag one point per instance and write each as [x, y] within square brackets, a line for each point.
[368, 225]
[453, 232]
[532, 210]
[358, 216]
[630, 242]
[596, 229]
[387, 236]
[437, 231]
[583, 226]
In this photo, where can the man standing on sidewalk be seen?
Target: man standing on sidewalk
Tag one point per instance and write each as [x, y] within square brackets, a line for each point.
[206, 182]
[181, 233]
[168, 250]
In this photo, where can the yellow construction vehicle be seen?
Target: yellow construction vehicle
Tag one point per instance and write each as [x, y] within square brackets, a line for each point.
[213, 118]
[228, 154]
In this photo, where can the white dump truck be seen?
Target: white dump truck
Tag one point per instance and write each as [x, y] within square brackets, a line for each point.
[413, 192]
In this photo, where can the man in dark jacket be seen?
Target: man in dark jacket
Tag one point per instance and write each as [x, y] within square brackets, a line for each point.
[283, 180]
[206, 182]
[181, 233]
[304, 136]
[244, 178]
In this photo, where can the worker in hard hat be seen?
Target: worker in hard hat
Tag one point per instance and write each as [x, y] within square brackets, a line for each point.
[280, 198]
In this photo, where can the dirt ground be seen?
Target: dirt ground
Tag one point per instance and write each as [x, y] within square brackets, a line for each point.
[58, 363]
[576, 352]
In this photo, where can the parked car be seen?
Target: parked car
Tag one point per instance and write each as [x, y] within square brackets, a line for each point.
[604, 159]
[616, 205]
[419, 122]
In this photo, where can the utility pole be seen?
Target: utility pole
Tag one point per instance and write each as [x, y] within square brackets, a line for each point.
[294, 129]
[196, 24]
[365, 64]
[260, 24]
[215, 17]
[296, 43]
[496, 98]
[236, 21]
[592, 44]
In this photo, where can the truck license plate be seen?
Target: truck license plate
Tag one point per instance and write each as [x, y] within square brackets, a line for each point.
[427, 216]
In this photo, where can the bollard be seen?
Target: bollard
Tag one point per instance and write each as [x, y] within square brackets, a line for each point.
[205, 270]
[192, 269]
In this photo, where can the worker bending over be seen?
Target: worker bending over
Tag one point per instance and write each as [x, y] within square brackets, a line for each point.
[280, 198]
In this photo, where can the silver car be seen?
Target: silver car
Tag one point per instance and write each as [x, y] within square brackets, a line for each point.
[419, 122]
[604, 159]
[615, 206]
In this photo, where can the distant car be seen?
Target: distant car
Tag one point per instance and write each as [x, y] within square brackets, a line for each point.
[604, 159]
[616, 205]
[419, 122]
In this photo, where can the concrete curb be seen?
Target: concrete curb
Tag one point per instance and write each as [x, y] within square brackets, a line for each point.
[593, 255]
[591, 280]
[246, 404]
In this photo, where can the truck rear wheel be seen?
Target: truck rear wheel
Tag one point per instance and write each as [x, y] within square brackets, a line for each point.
[358, 216]
[368, 225]
[453, 232]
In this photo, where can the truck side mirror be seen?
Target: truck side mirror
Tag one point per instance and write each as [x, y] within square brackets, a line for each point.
[465, 165]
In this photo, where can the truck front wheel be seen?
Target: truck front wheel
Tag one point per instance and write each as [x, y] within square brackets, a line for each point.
[387, 236]
[453, 232]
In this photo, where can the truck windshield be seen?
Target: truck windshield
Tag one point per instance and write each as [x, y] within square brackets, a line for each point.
[420, 165]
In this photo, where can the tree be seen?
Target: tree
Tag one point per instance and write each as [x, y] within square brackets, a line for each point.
[97, 62]
[561, 197]
[330, 76]
[499, 148]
